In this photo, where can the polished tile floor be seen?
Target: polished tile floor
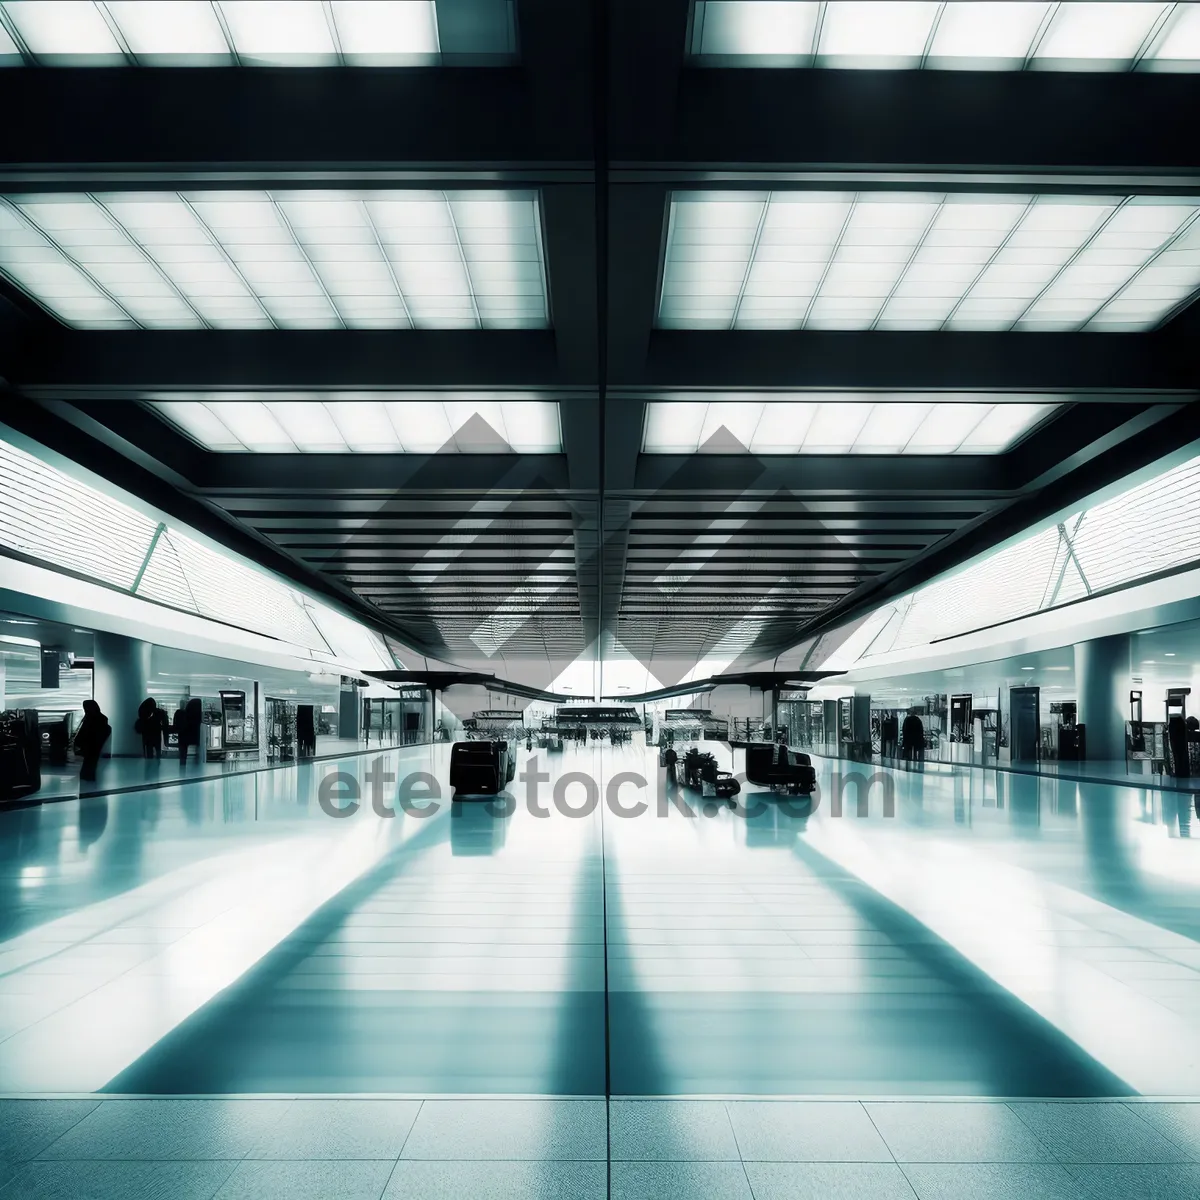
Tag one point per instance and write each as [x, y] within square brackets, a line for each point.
[500, 1149]
[981, 994]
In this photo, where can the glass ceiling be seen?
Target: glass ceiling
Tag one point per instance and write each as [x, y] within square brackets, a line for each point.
[890, 260]
[1152, 527]
[288, 260]
[53, 518]
[279, 33]
[368, 425]
[912, 425]
[970, 35]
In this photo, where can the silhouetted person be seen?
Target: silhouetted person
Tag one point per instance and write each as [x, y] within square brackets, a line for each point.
[912, 738]
[190, 721]
[94, 730]
[1177, 744]
[306, 734]
[670, 759]
[149, 726]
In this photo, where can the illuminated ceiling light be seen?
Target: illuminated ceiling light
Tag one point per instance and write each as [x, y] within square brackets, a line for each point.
[754, 27]
[1108, 33]
[881, 260]
[1179, 47]
[373, 34]
[253, 260]
[875, 33]
[176, 33]
[366, 424]
[966, 35]
[280, 32]
[986, 36]
[887, 424]
[58, 31]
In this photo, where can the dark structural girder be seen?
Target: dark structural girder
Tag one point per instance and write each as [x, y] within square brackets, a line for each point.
[62, 363]
[321, 126]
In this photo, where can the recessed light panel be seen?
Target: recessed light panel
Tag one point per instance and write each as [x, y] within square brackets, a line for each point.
[972, 35]
[925, 424]
[885, 260]
[275, 33]
[287, 260]
[369, 423]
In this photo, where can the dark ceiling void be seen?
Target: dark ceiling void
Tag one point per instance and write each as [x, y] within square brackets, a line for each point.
[516, 565]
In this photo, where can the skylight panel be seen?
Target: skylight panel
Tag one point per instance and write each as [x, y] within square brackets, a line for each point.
[724, 421]
[904, 423]
[754, 27]
[882, 260]
[1085, 35]
[1178, 49]
[422, 426]
[876, 33]
[33, 263]
[321, 260]
[91, 238]
[57, 31]
[889, 427]
[986, 36]
[1168, 280]
[280, 32]
[532, 425]
[945, 428]
[365, 426]
[1133, 235]
[256, 427]
[835, 428]
[10, 54]
[376, 35]
[171, 32]
[782, 429]
[308, 425]
[974, 35]
[42, 511]
[673, 428]
[1003, 425]
[202, 423]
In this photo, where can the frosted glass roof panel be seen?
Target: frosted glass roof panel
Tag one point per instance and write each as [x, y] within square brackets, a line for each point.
[1152, 527]
[43, 509]
[285, 33]
[288, 260]
[365, 424]
[979, 35]
[888, 260]
[42, 514]
[908, 424]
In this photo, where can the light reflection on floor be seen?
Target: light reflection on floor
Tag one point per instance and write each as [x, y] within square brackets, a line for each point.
[1001, 935]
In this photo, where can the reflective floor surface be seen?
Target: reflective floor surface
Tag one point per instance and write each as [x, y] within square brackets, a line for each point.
[499, 1149]
[115, 775]
[996, 936]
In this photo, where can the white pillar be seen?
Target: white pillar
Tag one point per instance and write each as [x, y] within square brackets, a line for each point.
[1102, 673]
[122, 675]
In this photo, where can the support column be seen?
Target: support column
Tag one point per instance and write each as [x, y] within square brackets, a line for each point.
[120, 680]
[1102, 673]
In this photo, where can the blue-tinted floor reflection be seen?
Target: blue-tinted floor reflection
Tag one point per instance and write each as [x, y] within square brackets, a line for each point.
[999, 935]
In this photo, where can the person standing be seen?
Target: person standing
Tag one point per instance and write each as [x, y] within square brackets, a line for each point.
[150, 728]
[670, 761]
[94, 730]
[191, 719]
